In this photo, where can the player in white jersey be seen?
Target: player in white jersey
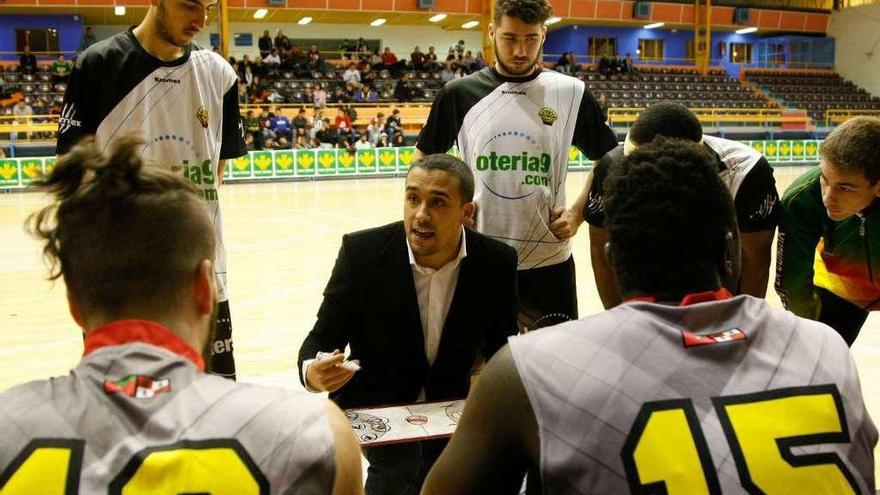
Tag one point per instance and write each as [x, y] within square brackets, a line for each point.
[514, 124]
[184, 102]
[683, 388]
[138, 414]
[746, 173]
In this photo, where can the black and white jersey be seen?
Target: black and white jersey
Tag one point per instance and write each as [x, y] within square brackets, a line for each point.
[515, 133]
[746, 173]
[186, 110]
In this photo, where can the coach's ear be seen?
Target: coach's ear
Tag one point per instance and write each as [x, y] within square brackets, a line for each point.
[75, 312]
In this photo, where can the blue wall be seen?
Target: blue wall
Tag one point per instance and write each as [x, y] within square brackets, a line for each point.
[575, 39]
[70, 31]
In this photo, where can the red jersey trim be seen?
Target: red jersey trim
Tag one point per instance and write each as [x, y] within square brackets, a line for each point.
[140, 331]
[699, 297]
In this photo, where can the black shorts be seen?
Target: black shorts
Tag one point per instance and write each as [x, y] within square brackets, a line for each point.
[222, 361]
[843, 316]
[547, 295]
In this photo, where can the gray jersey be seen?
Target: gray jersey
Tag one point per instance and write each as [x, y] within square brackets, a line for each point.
[729, 395]
[139, 418]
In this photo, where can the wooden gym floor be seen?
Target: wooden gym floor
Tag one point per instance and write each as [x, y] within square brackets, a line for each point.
[282, 240]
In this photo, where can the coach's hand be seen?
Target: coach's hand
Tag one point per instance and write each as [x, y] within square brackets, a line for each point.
[326, 376]
[564, 223]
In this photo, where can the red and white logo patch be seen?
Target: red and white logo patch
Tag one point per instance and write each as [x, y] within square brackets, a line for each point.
[137, 386]
[694, 340]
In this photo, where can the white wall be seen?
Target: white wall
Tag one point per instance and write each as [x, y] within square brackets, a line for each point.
[401, 39]
[856, 31]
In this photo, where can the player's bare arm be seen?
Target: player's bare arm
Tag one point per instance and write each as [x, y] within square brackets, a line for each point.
[348, 480]
[496, 442]
[221, 172]
[756, 262]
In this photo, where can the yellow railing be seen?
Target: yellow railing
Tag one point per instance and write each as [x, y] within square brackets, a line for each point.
[27, 124]
[757, 116]
[834, 117]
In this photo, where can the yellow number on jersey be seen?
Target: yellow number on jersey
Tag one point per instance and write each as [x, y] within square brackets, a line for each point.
[45, 466]
[665, 447]
[217, 467]
[763, 449]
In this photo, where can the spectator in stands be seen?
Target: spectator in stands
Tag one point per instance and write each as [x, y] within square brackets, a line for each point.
[23, 112]
[317, 122]
[564, 64]
[375, 59]
[300, 121]
[247, 76]
[280, 125]
[343, 120]
[393, 125]
[467, 61]
[302, 140]
[627, 65]
[269, 144]
[282, 43]
[352, 76]
[390, 62]
[252, 127]
[259, 68]
[479, 62]
[308, 96]
[376, 127]
[320, 96]
[417, 59]
[382, 141]
[273, 59]
[249, 142]
[28, 61]
[403, 89]
[365, 94]
[316, 63]
[458, 49]
[314, 52]
[266, 123]
[327, 135]
[448, 72]
[431, 57]
[297, 57]
[2, 87]
[399, 140]
[88, 39]
[265, 44]
[275, 96]
[363, 142]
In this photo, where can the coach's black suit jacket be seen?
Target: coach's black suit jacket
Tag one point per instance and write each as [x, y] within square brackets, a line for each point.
[370, 302]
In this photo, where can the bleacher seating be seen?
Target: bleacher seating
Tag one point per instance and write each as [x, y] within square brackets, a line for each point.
[668, 83]
[815, 91]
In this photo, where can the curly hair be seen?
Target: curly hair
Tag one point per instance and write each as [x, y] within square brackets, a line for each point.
[121, 233]
[668, 218]
[528, 11]
[671, 120]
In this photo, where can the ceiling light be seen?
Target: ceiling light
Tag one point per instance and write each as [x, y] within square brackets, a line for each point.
[655, 25]
[552, 20]
[470, 24]
[260, 13]
[437, 17]
[119, 10]
[746, 30]
[378, 22]
[304, 21]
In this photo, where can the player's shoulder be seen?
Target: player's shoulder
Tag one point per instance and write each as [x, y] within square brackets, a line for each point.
[553, 77]
[481, 81]
[802, 190]
[115, 47]
[214, 60]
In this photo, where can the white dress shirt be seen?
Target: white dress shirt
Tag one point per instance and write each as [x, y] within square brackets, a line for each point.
[434, 291]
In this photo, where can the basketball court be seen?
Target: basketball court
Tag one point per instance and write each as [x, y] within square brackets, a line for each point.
[282, 240]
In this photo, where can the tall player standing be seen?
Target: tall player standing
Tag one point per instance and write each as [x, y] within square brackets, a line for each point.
[514, 124]
[183, 100]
